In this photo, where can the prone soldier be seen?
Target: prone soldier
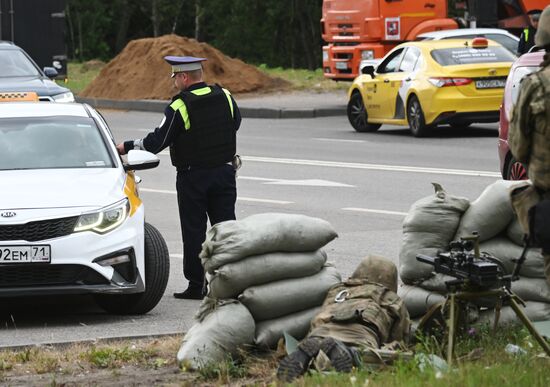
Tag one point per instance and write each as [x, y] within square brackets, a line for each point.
[360, 314]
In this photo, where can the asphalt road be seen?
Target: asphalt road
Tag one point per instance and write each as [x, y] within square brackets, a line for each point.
[363, 183]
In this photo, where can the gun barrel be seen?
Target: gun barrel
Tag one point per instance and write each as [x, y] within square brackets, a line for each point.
[426, 259]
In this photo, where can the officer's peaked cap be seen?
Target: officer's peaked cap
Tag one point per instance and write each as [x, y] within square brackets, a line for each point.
[184, 63]
[542, 37]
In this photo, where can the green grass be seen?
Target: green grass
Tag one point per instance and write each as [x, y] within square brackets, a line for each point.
[482, 361]
[305, 79]
[81, 74]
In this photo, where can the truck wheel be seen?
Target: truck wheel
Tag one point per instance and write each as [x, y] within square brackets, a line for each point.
[358, 116]
[514, 170]
[157, 270]
[415, 116]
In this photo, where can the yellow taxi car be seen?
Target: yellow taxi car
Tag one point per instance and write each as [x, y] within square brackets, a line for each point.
[429, 83]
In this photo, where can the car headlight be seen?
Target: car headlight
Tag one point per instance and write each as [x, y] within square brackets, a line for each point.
[325, 55]
[367, 54]
[105, 219]
[64, 97]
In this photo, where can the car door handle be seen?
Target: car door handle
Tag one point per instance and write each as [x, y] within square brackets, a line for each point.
[386, 81]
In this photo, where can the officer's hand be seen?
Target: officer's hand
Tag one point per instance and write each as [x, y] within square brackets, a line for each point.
[120, 149]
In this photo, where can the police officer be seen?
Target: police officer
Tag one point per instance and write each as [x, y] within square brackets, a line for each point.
[529, 136]
[199, 126]
[362, 313]
[527, 38]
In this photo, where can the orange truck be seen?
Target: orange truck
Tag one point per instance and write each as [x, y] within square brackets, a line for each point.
[367, 29]
[358, 30]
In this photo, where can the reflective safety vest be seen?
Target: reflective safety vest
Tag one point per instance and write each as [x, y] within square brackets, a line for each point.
[208, 138]
[526, 34]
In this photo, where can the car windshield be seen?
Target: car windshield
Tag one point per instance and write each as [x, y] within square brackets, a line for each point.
[14, 63]
[468, 55]
[52, 142]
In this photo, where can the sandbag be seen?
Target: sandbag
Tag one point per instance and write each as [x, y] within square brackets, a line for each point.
[296, 324]
[532, 289]
[490, 213]
[221, 328]
[428, 228]
[514, 232]
[436, 283]
[535, 311]
[418, 300]
[232, 279]
[505, 251]
[233, 240]
[279, 298]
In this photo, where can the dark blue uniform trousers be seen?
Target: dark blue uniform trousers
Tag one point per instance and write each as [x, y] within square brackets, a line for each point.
[203, 193]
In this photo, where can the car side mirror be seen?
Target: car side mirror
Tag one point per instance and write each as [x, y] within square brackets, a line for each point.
[368, 70]
[140, 159]
[50, 72]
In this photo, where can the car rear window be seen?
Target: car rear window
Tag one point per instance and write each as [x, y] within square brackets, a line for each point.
[52, 142]
[468, 55]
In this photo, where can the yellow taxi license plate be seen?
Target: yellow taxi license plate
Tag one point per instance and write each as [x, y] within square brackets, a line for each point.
[25, 254]
[490, 83]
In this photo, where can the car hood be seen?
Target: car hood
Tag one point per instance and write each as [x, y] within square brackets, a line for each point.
[61, 188]
[42, 86]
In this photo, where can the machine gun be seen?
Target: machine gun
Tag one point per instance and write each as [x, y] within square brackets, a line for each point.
[477, 275]
[470, 267]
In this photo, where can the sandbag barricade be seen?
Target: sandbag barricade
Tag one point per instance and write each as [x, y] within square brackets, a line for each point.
[221, 328]
[492, 217]
[275, 266]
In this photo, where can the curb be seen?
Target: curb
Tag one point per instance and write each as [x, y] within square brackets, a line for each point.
[158, 106]
[62, 344]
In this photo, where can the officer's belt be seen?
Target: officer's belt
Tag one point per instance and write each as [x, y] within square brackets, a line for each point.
[195, 167]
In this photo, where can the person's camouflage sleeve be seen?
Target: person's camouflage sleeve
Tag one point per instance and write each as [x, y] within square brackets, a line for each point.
[522, 121]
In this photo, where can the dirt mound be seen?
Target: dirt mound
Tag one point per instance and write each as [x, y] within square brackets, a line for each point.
[140, 72]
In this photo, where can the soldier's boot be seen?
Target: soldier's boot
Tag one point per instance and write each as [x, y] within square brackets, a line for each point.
[340, 355]
[297, 363]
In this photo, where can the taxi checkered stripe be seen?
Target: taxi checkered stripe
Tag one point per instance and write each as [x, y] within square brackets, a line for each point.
[13, 95]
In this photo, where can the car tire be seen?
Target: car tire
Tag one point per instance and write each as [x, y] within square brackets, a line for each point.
[514, 170]
[358, 116]
[157, 270]
[415, 117]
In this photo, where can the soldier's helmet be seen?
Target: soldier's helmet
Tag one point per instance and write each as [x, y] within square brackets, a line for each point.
[377, 269]
[542, 37]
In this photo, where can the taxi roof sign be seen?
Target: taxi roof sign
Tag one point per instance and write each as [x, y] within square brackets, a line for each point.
[19, 96]
[480, 42]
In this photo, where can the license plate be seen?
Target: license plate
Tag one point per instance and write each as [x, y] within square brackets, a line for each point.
[490, 83]
[25, 254]
[342, 65]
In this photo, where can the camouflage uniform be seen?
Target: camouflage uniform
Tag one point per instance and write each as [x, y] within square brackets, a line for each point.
[359, 314]
[529, 134]
[370, 315]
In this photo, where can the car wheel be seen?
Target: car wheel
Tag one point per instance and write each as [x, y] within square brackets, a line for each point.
[157, 270]
[415, 116]
[515, 170]
[358, 116]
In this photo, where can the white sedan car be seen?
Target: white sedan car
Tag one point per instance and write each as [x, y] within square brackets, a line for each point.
[71, 220]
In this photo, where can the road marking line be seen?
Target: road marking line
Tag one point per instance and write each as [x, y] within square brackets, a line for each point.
[375, 211]
[179, 256]
[239, 198]
[378, 167]
[303, 183]
[336, 139]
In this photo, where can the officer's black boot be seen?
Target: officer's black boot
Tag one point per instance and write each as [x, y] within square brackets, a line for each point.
[192, 293]
[297, 363]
